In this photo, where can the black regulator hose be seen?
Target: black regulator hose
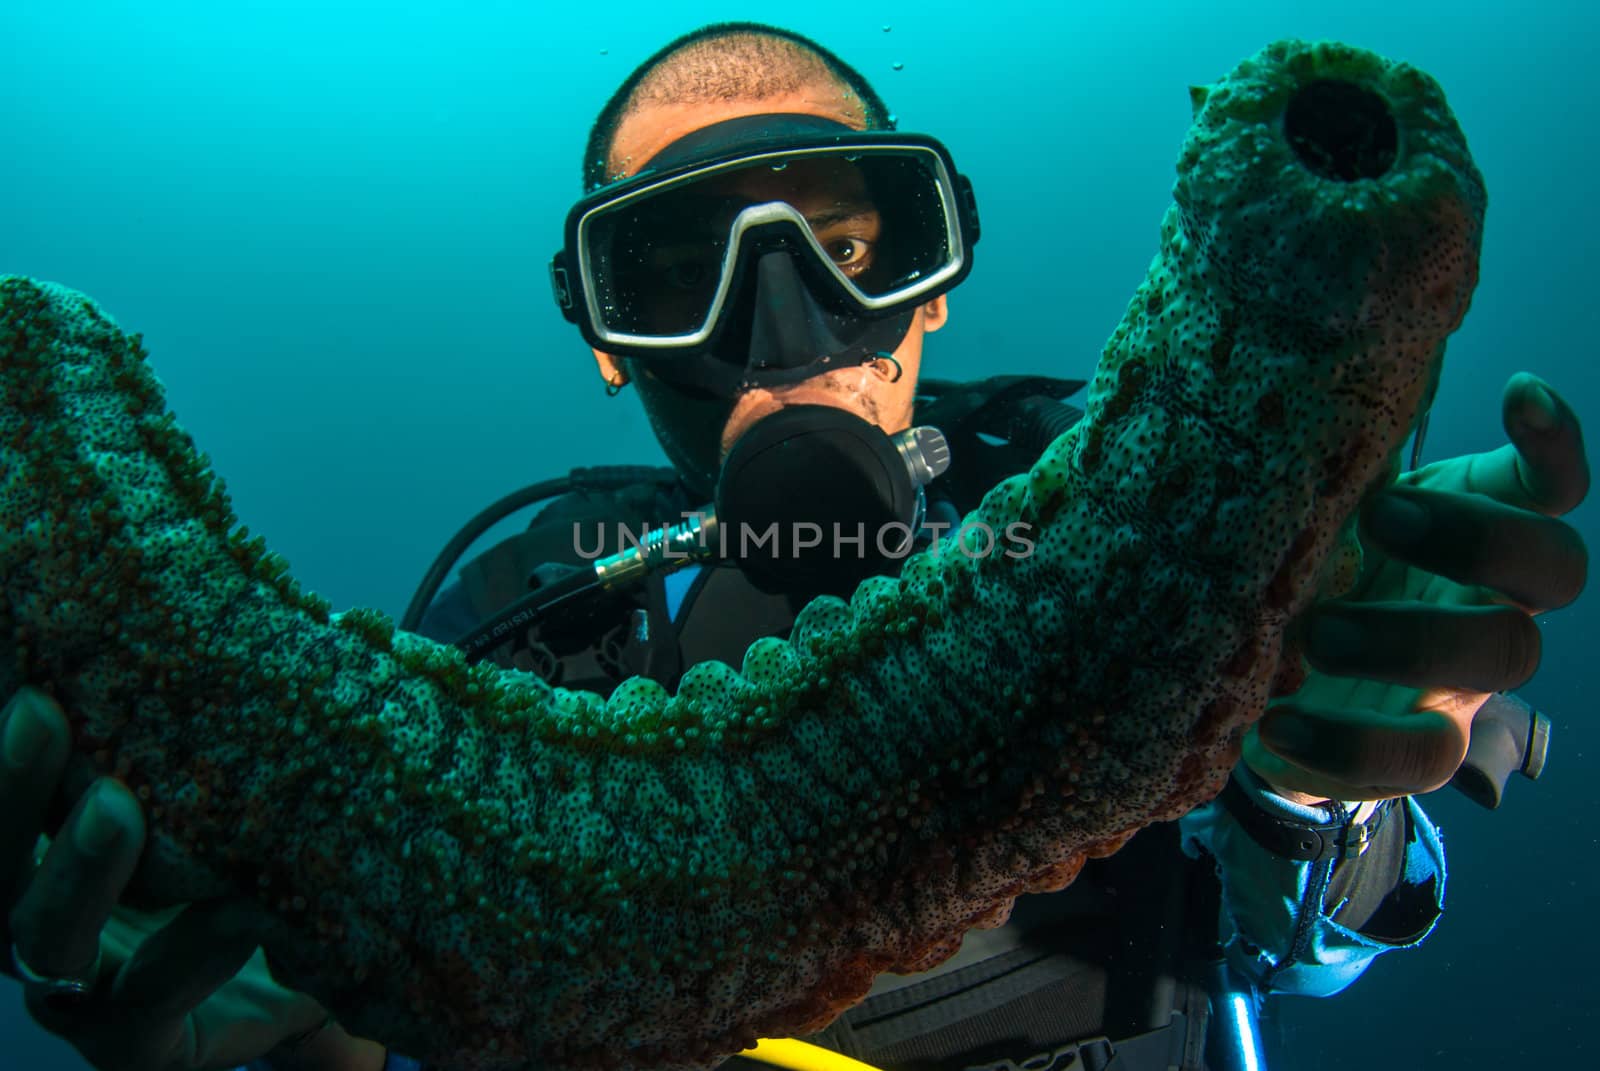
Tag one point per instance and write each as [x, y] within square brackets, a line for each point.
[599, 478]
[1040, 421]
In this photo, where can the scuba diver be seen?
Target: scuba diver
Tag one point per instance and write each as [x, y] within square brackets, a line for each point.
[765, 272]
[761, 257]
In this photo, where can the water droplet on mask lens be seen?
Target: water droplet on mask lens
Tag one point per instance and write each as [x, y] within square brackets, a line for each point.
[899, 66]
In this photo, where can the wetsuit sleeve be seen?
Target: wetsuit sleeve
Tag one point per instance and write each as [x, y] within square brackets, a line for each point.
[1311, 927]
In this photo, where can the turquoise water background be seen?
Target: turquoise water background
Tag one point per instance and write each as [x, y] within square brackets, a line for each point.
[331, 222]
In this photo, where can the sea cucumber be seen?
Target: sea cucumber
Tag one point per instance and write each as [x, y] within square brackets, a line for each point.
[488, 873]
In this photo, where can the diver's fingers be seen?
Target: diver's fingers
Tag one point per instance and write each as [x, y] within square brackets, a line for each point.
[1365, 754]
[56, 924]
[1284, 776]
[34, 744]
[176, 968]
[1545, 467]
[1551, 465]
[1534, 560]
[1474, 648]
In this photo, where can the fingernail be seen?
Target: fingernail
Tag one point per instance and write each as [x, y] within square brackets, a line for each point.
[97, 826]
[26, 736]
[1287, 735]
[1539, 410]
[1398, 520]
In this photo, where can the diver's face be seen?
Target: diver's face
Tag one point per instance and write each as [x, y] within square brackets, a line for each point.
[832, 196]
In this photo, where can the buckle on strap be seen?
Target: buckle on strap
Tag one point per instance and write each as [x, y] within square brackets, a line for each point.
[1300, 841]
[1359, 835]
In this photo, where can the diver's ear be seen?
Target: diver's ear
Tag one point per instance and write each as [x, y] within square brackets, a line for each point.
[610, 369]
[935, 313]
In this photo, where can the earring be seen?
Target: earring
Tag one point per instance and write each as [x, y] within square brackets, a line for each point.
[615, 384]
[884, 355]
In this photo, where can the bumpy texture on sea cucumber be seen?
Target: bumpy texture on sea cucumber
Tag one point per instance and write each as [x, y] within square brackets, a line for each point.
[488, 873]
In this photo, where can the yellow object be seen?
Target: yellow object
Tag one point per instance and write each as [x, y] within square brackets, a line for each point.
[802, 1056]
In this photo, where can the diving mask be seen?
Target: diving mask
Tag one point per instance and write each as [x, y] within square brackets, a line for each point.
[662, 267]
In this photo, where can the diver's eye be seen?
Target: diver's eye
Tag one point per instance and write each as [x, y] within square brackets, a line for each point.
[689, 275]
[679, 270]
[851, 254]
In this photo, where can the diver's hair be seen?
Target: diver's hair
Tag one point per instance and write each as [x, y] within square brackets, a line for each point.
[726, 61]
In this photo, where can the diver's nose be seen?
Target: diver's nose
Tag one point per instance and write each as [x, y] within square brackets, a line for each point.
[789, 329]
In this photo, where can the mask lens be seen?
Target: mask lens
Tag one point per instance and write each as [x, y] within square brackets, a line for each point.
[658, 260]
[657, 265]
[915, 229]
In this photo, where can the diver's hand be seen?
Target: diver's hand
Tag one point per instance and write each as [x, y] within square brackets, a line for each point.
[1459, 557]
[180, 990]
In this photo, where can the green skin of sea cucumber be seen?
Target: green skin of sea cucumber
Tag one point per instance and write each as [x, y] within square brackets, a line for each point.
[485, 872]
